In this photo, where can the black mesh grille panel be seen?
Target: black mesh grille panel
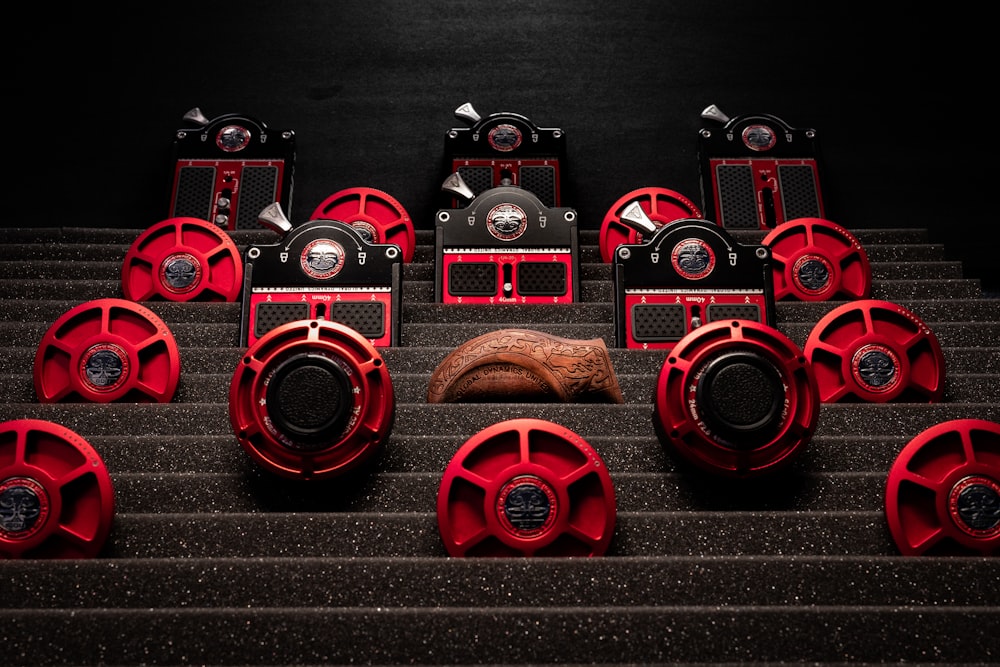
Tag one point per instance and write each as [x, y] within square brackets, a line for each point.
[657, 322]
[472, 279]
[258, 189]
[479, 179]
[540, 181]
[195, 190]
[737, 197]
[732, 311]
[271, 315]
[541, 278]
[366, 318]
[799, 198]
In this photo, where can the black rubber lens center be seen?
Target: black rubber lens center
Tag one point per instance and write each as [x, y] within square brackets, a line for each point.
[309, 399]
[740, 396]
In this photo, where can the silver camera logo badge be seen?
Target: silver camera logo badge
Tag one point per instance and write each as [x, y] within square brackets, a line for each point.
[693, 259]
[504, 138]
[104, 367]
[233, 138]
[506, 222]
[759, 138]
[180, 272]
[24, 507]
[322, 259]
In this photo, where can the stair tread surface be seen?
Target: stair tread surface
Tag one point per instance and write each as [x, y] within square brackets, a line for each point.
[211, 560]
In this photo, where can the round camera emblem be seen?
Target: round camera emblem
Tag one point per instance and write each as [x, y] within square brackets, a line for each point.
[504, 137]
[506, 222]
[367, 230]
[104, 367]
[974, 503]
[759, 137]
[693, 259]
[875, 367]
[322, 259]
[24, 507]
[527, 506]
[233, 138]
[180, 272]
[812, 274]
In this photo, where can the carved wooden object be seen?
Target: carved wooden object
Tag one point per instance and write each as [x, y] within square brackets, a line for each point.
[521, 365]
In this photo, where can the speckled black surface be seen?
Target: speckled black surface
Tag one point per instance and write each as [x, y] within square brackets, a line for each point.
[211, 561]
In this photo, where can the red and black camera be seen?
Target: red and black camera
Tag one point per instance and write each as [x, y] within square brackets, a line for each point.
[689, 273]
[228, 169]
[321, 270]
[757, 171]
[506, 247]
[506, 149]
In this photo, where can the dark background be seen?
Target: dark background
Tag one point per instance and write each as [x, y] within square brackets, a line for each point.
[96, 93]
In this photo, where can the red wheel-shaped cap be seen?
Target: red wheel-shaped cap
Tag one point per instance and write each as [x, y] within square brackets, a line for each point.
[943, 491]
[182, 259]
[875, 351]
[816, 260]
[107, 350]
[311, 399]
[56, 497]
[376, 215]
[661, 206]
[526, 487]
[736, 398]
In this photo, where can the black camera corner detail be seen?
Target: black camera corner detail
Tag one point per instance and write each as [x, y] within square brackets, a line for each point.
[506, 149]
[506, 247]
[690, 272]
[323, 270]
[758, 172]
[228, 169]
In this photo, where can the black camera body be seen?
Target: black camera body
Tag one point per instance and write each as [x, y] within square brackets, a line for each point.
[506, 149]
[322, 270]
[757, 171]
[691, 272]
[228, 169]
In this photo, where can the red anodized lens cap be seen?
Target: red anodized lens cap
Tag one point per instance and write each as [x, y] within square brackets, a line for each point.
[942, 493]
[875, 351]
[526, 487]
[182, 259]
[107, 350]
[56, 497]
[817, 260]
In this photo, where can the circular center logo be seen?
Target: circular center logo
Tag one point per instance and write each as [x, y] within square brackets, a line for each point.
[322, 259]
[180, 272]
[974, 503]
[367, 230]
[104, 367]
[504, 138]
[875, 368]
[232, 138]
[693, 259]
[506, 222]
[759, 137]
[812, 274]
[527, 506]
[24, 507]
